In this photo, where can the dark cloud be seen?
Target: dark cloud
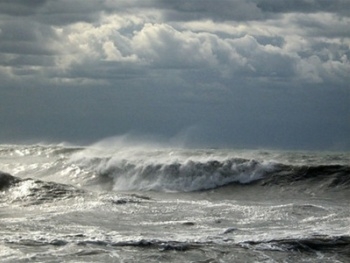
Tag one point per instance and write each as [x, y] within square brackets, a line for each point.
[25, 37]
[20, 7]
[65, 12]
[304, 6]
[242, 73]
[107, 70]
[223, 10]
[277, 41]
[52, 12]
[323, 25]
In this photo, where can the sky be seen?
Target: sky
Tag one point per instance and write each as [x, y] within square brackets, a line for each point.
[228, 73]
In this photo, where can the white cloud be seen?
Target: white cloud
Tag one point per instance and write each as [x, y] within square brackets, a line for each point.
[303, 46]
[164, 46]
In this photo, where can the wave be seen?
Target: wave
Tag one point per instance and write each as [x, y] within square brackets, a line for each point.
[187, 176]
[195, 175]
[7, 180]
[317, 243]
[32, 191]
[120, 166]
[326, 175]
[37, 150]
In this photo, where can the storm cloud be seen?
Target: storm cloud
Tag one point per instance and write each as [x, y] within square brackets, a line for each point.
[244, 73]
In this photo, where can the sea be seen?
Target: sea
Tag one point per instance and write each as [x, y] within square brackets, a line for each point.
[117, 201]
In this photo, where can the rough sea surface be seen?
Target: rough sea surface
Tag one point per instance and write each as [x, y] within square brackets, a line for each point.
[123, 202]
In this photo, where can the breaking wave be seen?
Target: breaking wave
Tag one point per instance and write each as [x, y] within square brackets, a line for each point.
[195, 175]
[187, 176]
[124, 167]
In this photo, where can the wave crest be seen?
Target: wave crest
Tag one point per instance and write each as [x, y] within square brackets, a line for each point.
[183, 170]
[186, 176]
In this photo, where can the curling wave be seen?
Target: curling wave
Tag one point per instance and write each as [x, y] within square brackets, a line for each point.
[185, 176]
[196, 175]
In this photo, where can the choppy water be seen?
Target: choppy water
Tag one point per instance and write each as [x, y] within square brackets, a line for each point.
[122, 202]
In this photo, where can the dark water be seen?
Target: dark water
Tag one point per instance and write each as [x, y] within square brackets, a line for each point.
[122, 202]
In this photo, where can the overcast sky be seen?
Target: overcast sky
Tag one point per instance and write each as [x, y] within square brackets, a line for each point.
[227, 73]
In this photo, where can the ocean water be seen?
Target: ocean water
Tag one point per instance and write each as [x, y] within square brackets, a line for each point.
[124, 202]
